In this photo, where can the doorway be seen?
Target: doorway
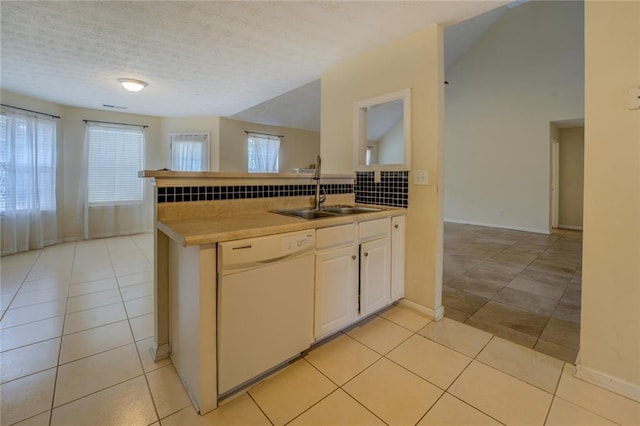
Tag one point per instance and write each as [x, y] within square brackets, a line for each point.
[567, 175]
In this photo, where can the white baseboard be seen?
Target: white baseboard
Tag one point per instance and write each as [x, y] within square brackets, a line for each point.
[611, 383]
[436, 314]
[495, 225]
[159, 352]
[571, 227]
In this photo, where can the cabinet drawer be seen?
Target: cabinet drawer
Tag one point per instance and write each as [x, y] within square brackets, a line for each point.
[335, 236]
[373, 229]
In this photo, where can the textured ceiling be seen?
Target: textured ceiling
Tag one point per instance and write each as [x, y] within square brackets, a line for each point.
[300, 108]
[199, 58]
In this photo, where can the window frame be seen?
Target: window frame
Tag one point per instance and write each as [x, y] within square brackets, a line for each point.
[205, 163]
[116, 201]
[262, 137]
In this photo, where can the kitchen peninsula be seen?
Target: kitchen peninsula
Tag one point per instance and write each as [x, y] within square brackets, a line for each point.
[205, 220]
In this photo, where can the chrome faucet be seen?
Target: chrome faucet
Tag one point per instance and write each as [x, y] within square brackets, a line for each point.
[317, 199]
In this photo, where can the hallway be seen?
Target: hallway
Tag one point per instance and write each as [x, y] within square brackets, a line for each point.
[521, 286]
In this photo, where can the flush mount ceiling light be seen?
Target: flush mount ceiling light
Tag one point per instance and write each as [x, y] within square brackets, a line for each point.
[132, 84]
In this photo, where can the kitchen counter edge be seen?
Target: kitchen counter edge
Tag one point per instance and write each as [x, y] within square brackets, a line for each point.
[211, 230]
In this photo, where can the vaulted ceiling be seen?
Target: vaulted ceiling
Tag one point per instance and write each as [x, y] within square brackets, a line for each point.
[199, 58]
[300, 107]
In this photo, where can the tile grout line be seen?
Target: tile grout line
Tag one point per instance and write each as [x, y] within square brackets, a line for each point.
[259, 407]
[333, 337]
[340, 387]
[21, 284]
[64, 320]
[475, 358]
[523, 239]
[144, 373]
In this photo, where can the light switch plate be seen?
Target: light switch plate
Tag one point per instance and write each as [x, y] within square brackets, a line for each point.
[420, 177]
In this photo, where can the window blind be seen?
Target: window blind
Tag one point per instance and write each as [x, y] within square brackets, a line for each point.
[115, 156]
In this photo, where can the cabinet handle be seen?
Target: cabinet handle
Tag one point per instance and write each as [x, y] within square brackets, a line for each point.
[396, 226]
[366, 253]
[353, 256]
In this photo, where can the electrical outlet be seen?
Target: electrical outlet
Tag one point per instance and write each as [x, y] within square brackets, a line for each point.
[420, 177]
[377, 178]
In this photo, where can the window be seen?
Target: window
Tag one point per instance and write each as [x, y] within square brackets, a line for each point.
[27, 163]
[263, 152]
[189, 152]
[115, 156]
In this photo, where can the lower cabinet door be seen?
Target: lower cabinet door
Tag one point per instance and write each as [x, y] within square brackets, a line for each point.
[336, 290]
[375, 275]
[397, 258]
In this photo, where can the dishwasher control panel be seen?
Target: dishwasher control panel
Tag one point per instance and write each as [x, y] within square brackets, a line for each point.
[252, 252]
[298, 242]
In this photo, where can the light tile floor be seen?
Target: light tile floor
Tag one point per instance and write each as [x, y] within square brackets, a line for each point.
[521, 286]
[73, 351]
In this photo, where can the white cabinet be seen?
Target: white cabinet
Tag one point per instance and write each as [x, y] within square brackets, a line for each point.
[336, 290]
[374, 275]
[397, 257]
[359, 270]
[375, 271]
[336, 304]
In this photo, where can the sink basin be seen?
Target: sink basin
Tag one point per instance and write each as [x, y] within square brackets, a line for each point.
[306, 213]
[329, 211]
[343, 210]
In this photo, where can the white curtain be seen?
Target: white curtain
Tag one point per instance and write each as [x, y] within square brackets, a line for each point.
[28, 216]
[190, 152]
[118, 211]
[263, 153]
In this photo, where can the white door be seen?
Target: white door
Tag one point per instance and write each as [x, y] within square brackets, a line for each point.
[336, 303]
[375, 275]
[397, 258]
[555, 182]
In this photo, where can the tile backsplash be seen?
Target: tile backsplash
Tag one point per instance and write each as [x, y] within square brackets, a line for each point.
[392, 190]
[174, 194]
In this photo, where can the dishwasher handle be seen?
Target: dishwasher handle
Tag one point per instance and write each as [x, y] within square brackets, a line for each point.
[254, 252]
[237, 267]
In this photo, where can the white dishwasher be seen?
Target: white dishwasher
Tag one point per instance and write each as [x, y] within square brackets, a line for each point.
[265, 304]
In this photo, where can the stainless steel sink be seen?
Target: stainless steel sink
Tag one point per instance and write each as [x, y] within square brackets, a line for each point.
[344, 210]
[329, 211]
[306, 213]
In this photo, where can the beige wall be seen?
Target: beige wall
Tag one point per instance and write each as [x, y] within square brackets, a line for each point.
[610, 333]
[571, 177]
[298, 148]
[71, 131]
[524, 72]
[74, 130]
[414, 62]
[208, 124]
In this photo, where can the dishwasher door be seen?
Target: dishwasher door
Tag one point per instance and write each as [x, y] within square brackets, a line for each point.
[265, 304]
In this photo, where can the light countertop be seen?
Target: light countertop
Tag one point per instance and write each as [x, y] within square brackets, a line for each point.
[208, 230]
